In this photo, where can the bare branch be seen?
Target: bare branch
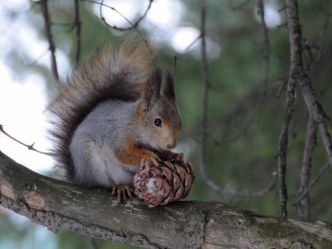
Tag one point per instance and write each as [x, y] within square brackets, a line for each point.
[77, 25]
[205, 82]
[47, 22]
[133, 25]
[301, 76]
[266, 43]
[283, 139]
[38, 58]
[93, 244]
[174, 69]
[303, 206]
[314, 180]
[193, 43]
[240, 5]
[30, 147]
[282, 154]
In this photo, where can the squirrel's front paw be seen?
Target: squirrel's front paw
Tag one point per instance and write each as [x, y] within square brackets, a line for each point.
[177, 156]
[148, 159]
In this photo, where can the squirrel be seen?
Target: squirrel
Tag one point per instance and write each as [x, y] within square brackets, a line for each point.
[114, 116]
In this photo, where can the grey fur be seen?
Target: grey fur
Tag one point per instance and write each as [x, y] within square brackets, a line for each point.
[110, 121]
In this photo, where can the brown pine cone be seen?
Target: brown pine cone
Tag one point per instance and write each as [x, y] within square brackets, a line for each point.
[165, 183]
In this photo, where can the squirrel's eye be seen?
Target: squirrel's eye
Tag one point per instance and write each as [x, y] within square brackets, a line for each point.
[157, 122]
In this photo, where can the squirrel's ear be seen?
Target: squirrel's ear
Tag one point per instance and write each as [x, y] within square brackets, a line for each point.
[152, 89]
[168, 87]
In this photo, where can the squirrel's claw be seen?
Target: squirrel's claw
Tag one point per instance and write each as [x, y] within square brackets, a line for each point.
[146, 162]
[122, 192]
[178, 156]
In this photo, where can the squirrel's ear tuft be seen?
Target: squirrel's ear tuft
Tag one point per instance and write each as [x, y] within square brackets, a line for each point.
[152, 89]
[168, 87]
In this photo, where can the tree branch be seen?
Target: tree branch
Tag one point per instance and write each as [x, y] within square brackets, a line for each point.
[29, 147]
[47, 21]
[266, 43]
[303, 206]
[77, 25]
[186, 224]
[283, 139]
[133, 25]
[314, 180]
[205, 83]
[300, 75]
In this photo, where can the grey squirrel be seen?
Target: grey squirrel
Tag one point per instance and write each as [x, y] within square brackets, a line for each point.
[114, 115]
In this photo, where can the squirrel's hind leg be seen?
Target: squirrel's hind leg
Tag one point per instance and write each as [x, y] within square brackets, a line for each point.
[90, 168]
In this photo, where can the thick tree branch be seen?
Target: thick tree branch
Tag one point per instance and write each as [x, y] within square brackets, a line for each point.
[187, 224]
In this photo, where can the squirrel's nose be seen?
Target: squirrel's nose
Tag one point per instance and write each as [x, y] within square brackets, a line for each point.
[171, 145]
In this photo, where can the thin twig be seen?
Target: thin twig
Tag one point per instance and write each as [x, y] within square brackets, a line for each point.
[93, 244]
[47, 22]
[174, 69]
[193, 43]
[314, 180]
[133, 25]
[303, 206]
[205, 81]
[38, 58]
[30, 147]
[64, 24]
[239, 5]
[77, 25]
[266, 43]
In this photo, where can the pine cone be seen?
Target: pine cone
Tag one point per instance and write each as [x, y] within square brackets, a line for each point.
[165, 183]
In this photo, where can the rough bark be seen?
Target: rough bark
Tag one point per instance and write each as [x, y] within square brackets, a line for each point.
[185, 224]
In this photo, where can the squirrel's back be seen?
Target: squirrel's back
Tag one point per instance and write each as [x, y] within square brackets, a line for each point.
[110, 74]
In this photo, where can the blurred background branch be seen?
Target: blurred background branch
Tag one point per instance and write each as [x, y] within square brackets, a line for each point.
[47, 22]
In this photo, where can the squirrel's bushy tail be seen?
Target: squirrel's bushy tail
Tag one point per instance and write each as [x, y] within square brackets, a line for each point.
[108, 75]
